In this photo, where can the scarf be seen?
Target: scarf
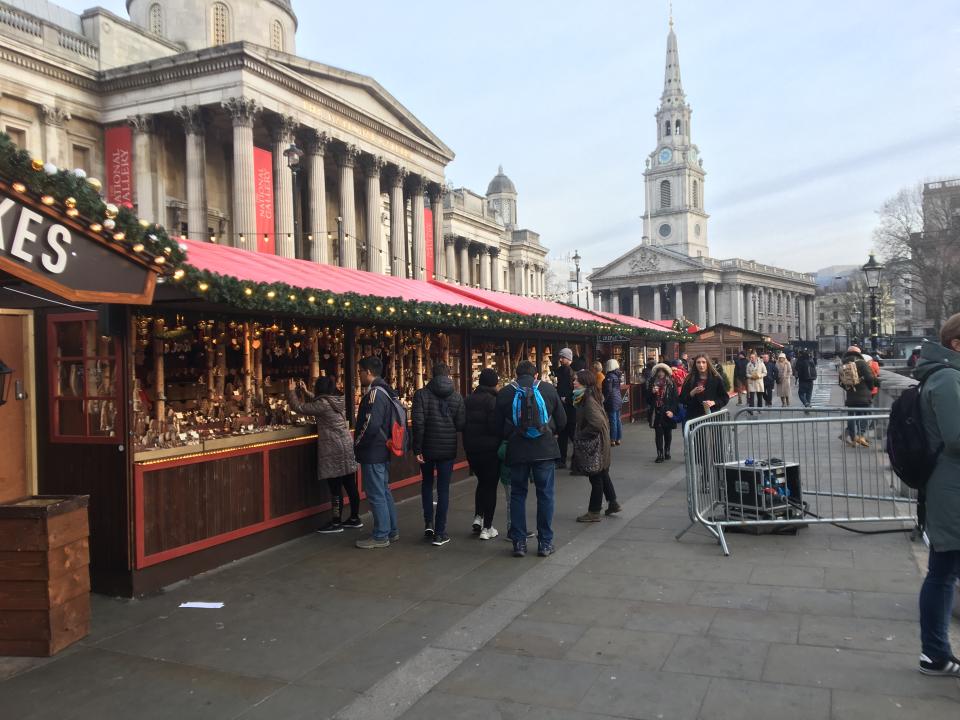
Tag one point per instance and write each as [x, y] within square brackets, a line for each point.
[578, 395]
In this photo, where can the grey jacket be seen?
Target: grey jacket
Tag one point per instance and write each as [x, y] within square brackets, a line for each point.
[335, 456]
[940, 403]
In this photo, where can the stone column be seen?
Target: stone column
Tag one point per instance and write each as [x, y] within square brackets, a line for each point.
[517, 277]
[678, 300]
[751, 307]
[485, 268]
[738, 305]
[450, 263]
[196, 166]
[418, 254]
[712, 304]
[702, 304]
[596, 300]
[811, 319]
[281, 134]
[244, 220]
[317, 177]
[347, 159]
[463, 249]
[657, 314]
[54, 120]
[802, 327]
[495, 270]
[398, 223]
[636, 302]
[143, 167]
[372, 166]
[615, 301]
[436, 209]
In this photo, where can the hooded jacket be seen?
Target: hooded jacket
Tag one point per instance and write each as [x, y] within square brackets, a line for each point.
[521, 449]
[859, 395]
[438, 415]
[373, 424]
[481, 436]
[940, 404]
[335, 456]
[670, 398]
[612, 396]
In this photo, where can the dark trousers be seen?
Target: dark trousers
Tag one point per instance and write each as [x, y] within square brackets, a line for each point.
[565, 434]
[805, 392]
[337, 485]
[543, 480]
[768, 396]
[936, 603]
[663, 436]
[487, 469]
[443, 469]
[601, 486]
[755, 399]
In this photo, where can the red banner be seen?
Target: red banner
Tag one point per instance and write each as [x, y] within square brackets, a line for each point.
[263, 194]
[428, 241]
[118, 144]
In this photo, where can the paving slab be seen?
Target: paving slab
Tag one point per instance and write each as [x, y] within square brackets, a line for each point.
[717, 657]
[632, 693]
[741, 700]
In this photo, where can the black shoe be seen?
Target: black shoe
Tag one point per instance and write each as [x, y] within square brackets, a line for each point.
[441, 540]
[949, 667]
[519, 548]
[428, 532]
[666, 456]
[659, 459]
[331, 527]
[353, 523]
[545, 550]
[613, 507]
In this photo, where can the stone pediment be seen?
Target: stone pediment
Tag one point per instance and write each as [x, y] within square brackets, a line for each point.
[645, 260]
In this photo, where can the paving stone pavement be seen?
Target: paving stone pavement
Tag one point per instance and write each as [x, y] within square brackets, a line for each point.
[622, 622]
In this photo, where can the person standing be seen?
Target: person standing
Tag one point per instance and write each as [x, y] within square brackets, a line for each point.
[756, 372]
[336, 462]
[664, 399]
[481, 441]
[613, 399]
[940, 407]
[591, 446]
[564, 388]
[679, 372]
[770, 379]
[531, 413]
[740, 376]
[597, 368]
[784, 379]
[806, 372]
[857, 380]
[702, 391]
[438, 416]
[374, 420]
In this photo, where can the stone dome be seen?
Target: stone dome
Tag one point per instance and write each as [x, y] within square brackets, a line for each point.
[501, 184]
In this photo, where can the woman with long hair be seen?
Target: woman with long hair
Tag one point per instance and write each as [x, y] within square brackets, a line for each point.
[703, 390]
[336, 462]
[663, 401]
[591, 445]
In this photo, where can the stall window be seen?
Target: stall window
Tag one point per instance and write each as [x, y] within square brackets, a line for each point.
[84, 387]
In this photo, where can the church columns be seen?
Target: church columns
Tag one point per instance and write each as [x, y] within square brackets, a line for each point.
[495, 270]
[702, 304]
[635, 308]
[750, 307]
[811, 320]
[196, 164]
[436, 210]
[143, 159]
[317, 194]
[348, 252]
[463, 248]
[615, 302]
[802, 328]
[281, 133]
[712, 304]
[518, 277]
[418, 255]
[678, 300]
[375, 256]
[657, 315]
[596, 300]
[398, 223]
[485, 267]
[244, 217]
[450, 248]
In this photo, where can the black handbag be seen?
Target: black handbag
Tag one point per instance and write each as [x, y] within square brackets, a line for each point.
[588, 454]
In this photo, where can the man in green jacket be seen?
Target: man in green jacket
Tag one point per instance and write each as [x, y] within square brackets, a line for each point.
[940, 404]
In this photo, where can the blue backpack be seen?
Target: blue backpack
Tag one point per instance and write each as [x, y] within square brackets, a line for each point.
[530, 415]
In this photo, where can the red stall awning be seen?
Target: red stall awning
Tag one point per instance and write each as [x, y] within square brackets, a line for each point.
[639, 323]
[518, 303]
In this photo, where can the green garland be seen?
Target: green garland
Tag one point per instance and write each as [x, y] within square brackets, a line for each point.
[72, 188]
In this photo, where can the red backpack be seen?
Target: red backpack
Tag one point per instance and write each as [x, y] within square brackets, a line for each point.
[397, 436]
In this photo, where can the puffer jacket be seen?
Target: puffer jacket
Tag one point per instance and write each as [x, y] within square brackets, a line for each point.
[438, 415]
[860, 395]
[481, 436]
[940, 404]
[592, 420]
[335, 456]
[612, 396]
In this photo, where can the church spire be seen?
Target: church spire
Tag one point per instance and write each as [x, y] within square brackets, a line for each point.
[672, 85]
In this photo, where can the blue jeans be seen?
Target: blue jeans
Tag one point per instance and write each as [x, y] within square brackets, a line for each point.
[543, 472]
[856, 428]
[444, 469]
[616, 429]
[805, 392]
[376, 483]
[936, 603]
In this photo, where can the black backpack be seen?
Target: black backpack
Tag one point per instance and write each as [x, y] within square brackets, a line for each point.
[907, 445]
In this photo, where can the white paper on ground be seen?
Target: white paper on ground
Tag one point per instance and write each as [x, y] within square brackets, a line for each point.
[205, 605]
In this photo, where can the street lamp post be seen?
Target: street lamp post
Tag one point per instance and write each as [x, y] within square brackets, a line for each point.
[293, 154]
[872, 271]
[576, 264]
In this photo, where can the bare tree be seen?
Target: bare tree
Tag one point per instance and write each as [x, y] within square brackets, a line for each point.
[556, 280]
[919, 232]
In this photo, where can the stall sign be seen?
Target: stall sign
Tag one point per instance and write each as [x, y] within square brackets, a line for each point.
[119, 155]
[38, 246]
[263, 195]
[612, 338]
[428, 240]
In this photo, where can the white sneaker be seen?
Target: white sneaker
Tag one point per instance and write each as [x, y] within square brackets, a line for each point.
[477, 523]
[488, 533]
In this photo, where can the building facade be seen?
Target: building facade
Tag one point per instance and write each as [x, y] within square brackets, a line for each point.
[671, 274]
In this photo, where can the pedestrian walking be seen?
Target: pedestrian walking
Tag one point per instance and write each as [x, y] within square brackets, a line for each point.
[438, 416]
[591, 446]
[531, 413]
[857, 381]
[806, 372]
[940, 406]
[740, 376]
[679, 372]
[875, 369]
[664, 400]
[756, 372]
[481, 442]
[564, 375]
[374, 422]
[613, 399]
[336, 462]
[784, 379]
[702, 391]
[770, 379]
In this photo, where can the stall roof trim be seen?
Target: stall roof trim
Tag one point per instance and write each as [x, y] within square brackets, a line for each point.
[519, 304]
[639, 323]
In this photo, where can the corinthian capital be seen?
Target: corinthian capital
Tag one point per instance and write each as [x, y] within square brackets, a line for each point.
[53, 115]
[398, 175]
[417, 184]
[192, 118]
[282, 128]
[348, 156]
[316, 142]
[141, 123]
[372, 165]
[242, 111]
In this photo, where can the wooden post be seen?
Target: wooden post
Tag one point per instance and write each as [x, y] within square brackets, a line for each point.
[221, 353]
[349, 381]
[314, 356]
[159, 405]
[247, 369]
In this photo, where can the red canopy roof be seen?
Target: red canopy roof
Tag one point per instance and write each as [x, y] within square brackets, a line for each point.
[261, 267]
[518, 303]
[636, 322]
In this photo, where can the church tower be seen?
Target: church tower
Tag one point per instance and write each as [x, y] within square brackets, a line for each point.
[675, 217]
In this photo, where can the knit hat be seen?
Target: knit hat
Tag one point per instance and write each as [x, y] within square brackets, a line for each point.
[489, 377]
[782, 355]
[566, 353]
[853, 349]
[612, 365]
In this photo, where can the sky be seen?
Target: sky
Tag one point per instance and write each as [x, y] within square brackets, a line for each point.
[808, 114]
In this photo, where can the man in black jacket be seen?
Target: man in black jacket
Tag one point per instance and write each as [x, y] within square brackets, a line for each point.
[806, 372]
[740, 376]
[770, 379]
[374, 418]
[438, 416]
[534, 451]
[565, 391]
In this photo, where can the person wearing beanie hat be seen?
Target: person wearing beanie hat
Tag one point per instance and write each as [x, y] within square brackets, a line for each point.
[613, 399]
[566, 354]
[564, 385]
[857, 380]
[481, 441]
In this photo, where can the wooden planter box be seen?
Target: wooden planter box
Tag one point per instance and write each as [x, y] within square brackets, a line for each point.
[44, 574]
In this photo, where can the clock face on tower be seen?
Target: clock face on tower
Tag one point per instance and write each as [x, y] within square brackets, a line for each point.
[664, 230]
[665, 156]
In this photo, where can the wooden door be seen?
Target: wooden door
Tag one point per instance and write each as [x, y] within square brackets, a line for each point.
[16, 418]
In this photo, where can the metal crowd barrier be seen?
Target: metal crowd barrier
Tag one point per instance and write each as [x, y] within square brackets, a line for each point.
[781, 468]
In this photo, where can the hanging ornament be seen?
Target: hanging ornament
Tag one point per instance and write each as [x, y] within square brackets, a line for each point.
[47, 200]
[96, 227]
[111, 211]
[182, 246]
[70, 202]
[19, 187]
[144, 223]
[109, 223]
[36, 164]
[95, 184]
[80, 173]
[50, 169]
